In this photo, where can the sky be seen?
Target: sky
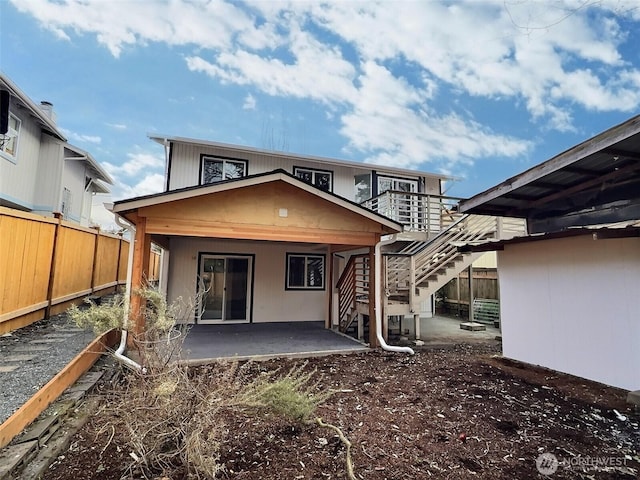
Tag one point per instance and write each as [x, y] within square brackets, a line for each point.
[480, 90]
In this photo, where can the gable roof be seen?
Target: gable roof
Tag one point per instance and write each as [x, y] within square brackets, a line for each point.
[94, 167]
[124, 206]
[165, 139]
[597, 181]
[43, 120]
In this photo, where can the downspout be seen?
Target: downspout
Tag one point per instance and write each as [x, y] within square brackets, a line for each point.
[378, 294]
[119, 353]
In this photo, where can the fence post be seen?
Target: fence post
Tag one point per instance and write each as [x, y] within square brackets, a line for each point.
[95, 259]
[52, 266]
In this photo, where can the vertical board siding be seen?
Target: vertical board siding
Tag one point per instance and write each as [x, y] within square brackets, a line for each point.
[24, 262]
[185, 167]
[17, 178]
[124, 261]
[26, 250]
[106, 262]
[73, 261]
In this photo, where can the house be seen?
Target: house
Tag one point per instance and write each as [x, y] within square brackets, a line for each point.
[40, 171]
[270, 236]
[569, 290]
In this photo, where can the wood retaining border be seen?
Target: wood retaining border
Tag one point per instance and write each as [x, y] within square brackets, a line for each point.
[54, 388]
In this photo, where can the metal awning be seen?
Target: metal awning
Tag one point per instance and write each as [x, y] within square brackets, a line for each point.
[595, 182]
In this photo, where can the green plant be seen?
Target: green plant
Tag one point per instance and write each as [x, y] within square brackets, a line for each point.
[101, 318]
[294, 395]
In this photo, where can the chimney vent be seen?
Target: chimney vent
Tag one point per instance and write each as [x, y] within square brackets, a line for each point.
[47, 108]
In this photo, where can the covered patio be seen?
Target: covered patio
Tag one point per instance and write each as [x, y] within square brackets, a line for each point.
[259, 341]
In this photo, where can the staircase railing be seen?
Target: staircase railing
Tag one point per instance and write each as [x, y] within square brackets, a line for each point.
[409, 269]
[352, 286]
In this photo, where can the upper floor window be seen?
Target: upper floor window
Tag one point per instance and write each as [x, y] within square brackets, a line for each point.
[362, 187]
[215, 169]
[397, 184]
[9, 141]
[323, 179]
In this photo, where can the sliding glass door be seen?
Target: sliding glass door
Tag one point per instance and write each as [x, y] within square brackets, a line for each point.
[225, 282]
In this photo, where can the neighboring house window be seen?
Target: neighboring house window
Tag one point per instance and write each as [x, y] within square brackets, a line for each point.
[305, 272]
[9, 141]
[323, 179]
[216, 169]
[66, 203]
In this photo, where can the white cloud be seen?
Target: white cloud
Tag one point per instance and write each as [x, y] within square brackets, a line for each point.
[117, 126]
[135, 164]
[380, 81]
[81, 138]
[249, 102]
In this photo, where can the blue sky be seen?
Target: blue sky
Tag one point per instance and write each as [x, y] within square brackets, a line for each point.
[480, 89]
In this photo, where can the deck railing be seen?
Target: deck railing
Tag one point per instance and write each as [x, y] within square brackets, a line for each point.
[418, 212]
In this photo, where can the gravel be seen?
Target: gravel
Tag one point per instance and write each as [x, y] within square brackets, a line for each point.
[52, 343]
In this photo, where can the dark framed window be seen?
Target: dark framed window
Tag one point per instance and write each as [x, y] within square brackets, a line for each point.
[323, 179]
[305, 271]
[217, 169]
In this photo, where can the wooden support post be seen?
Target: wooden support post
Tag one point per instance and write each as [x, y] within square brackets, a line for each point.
[52, 267]
[416, 323]
[330, 286]
[141, 254]
[471, 293]
[373, 339]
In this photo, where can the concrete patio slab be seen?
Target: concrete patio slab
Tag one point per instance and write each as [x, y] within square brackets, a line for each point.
[205, 343]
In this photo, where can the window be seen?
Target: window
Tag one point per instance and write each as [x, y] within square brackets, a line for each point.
[362, 187]
[9, 141]
[216, 169]
[66, 203]
[396, 184]
[323, 179]
[305, 272]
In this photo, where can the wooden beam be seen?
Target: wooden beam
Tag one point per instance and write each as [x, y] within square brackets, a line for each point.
[138, 275]
[54, 388]
[373, 338]
[329, 290]
[189, 228]
[566, 192]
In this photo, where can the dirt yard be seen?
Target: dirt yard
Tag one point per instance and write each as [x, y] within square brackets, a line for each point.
[458, 412]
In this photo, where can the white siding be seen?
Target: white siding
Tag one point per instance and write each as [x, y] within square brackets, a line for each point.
[48, 176]
[573, 305]
[271, 302]
[185, 168]
[17, 179]
[73, 178]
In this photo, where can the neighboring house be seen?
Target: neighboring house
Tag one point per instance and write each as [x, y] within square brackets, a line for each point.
[272, 237]
[569, 291]
[39, 171]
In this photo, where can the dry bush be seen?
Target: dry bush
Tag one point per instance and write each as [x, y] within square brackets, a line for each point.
[175, 419]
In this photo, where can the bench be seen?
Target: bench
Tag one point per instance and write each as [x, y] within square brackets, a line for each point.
[486, 310]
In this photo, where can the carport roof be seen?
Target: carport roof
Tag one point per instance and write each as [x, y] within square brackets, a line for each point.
[597, 181]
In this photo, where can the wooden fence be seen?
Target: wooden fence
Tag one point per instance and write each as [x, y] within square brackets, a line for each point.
[48, 263]
[453, 298]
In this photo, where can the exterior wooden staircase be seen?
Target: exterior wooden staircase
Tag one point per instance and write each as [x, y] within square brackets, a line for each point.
[416, 269]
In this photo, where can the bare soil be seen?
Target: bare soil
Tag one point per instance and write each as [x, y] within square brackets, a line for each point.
[454, 412]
